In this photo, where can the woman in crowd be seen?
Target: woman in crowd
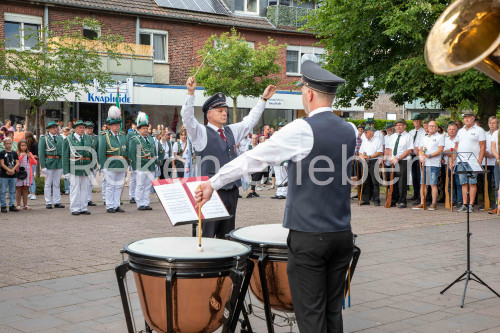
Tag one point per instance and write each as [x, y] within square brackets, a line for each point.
[26, 161]
[33, 149]
[167, 148]
[8, 125]
[9, 162]
[182, 155]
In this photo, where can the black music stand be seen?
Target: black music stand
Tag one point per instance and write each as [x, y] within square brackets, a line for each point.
[470, 170]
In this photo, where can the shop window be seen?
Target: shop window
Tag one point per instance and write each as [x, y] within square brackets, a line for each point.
[158, 39]
[22, 31]
[247, 6]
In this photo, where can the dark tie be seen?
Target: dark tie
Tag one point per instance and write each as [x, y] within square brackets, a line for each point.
[221, 132]
[415, 136]
[396, 145]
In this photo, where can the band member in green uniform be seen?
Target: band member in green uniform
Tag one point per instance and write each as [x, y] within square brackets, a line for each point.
[49, 154]
[78, 161]
[143, 157]
[89, 130]
[113, 161]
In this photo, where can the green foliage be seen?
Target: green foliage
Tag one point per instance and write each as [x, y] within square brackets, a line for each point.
[231, 66]
[382, 41]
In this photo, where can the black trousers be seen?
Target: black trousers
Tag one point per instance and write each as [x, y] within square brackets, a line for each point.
[317, 268]
[220, 228]
[400, 187]
[415, 177]
[371, 187]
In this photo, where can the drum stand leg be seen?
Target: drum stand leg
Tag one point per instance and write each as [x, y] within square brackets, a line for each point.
[169, 281]
[121, 272]
[148, 329]
[261, 263]
[240, 288]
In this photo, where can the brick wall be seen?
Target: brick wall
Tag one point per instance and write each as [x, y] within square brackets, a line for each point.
[383, 105]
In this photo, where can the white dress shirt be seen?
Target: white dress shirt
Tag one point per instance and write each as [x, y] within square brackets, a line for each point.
[370, 147]
[198, 133]
[416, 139]
[293, 142]
[167, 150]
[405, 143]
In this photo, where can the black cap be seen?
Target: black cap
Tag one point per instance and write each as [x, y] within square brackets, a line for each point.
[218, 100]
[316, 78]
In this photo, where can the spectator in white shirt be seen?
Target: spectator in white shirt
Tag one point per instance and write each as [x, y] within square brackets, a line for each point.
[402, 146]
[371, 150]
[449, 147]
[470, 139]
[430, 149]
[416, 134]
[494, 151]
[489, 163]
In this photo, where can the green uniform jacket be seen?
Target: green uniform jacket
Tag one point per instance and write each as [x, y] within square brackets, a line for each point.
[79, 157]
[110, 145]
[95, 145]
[141, 151]
[47, 147]
[130, 135]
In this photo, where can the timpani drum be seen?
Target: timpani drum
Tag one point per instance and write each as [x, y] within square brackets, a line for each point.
[181, 289]
[269, 251]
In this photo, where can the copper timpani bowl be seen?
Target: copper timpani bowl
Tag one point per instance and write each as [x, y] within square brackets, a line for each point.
[202, 286]
[270, 240]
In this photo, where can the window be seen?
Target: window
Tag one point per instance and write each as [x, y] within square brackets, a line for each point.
[21, 31]
[247, 6]
[158, 39]
[391, 116]
[295, 55]
[90, 33]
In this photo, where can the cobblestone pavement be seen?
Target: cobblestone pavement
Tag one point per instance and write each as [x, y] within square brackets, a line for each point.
[57, 270]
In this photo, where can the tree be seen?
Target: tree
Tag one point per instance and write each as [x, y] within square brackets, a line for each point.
[57, 64]
[378, 45]
[234, 68]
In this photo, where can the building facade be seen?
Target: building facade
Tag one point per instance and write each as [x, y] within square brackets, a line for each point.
[166, 43]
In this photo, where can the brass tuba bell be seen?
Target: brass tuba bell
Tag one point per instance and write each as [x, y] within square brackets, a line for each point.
[466, 35]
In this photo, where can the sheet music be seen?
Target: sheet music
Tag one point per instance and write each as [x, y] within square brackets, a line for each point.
[214, 207]
[474, 165]
[176, 202]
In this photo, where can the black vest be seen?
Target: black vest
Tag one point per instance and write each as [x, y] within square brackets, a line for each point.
[312, 206]
[217, 149]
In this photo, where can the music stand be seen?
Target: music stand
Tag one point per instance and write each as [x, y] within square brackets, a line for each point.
[469, 161]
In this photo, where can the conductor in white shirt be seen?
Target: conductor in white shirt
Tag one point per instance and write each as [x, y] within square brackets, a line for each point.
[320, 244]
[216, 145]
[371, 150]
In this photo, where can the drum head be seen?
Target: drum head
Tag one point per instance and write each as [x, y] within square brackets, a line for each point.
[186, 248]
[273, 235]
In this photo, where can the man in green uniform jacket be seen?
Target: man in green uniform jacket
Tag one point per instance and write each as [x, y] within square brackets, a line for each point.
[78, 161]
[113, 161]
[50, 154]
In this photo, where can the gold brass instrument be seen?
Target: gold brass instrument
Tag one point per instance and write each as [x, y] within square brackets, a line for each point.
[466, 35]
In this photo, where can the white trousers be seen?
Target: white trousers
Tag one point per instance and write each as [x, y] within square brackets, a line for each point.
[91, 184]
[143, 187]
[104, 185]
[52, 188]
[78, 191]
[132, 185]
[281, 177]
[114, 185]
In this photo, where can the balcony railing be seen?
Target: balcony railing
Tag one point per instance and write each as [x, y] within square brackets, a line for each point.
[286, 16]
